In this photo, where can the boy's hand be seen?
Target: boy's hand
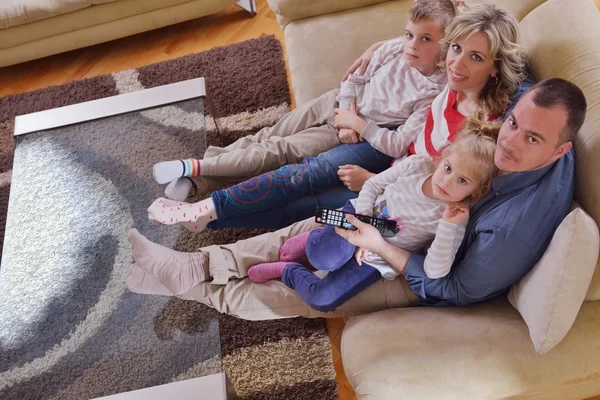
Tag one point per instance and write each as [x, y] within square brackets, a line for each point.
[361, 254]
[348, 136]
[353, 176]
[455, 213]
[349, 119]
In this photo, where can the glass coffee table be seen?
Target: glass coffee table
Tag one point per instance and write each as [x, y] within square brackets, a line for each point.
[82, 177]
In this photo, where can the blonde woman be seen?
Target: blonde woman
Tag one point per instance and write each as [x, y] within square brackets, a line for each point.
[483, 65]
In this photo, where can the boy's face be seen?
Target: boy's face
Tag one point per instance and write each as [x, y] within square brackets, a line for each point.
[422, 45]
[452, 180]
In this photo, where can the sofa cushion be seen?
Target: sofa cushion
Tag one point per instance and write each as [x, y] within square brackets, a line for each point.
[290, 10]
[550, 295]
[17, 12]
[571, 50]
[317, 64]
[96, 16]
[481, 352]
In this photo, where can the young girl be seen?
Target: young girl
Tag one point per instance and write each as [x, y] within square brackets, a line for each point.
[483, 65]
[426, 205]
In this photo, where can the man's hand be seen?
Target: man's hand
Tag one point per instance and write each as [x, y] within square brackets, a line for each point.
[365, 236]
[455, 213]
[353, 176]
[361, 254]
[349, 119]
[362, 62]
[368, 237]
[348, 136]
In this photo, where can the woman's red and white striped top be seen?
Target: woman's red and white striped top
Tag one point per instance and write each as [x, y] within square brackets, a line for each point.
[441, 128]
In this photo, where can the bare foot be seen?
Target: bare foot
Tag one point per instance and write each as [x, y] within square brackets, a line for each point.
[177, 271]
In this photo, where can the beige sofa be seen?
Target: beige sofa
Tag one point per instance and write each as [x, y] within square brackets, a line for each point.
[482, 352]
[31, 29]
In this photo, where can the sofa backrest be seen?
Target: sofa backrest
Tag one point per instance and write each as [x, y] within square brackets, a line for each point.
[562, 39]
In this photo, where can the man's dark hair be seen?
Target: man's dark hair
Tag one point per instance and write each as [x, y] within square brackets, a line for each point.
[557, 92]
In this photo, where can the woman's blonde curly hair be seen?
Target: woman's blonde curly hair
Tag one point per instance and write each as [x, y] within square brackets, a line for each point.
[501, 29]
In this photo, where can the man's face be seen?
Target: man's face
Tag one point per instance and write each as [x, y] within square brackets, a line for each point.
[529, 138]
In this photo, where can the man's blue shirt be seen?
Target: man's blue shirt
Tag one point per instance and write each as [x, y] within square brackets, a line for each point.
[508, 231]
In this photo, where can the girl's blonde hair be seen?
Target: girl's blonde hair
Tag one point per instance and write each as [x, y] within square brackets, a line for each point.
[501, 29]
[477, 144]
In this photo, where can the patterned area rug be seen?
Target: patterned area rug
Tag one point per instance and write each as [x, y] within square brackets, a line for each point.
[81, 334]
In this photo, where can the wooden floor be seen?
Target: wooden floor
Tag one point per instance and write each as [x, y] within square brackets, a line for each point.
[221, 29]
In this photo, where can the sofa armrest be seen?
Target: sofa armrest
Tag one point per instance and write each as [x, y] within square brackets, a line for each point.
[290, 10]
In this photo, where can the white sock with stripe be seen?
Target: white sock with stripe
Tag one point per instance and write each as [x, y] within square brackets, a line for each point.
[167, 171]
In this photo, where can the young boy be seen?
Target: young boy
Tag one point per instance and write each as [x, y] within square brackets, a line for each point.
[393, 97]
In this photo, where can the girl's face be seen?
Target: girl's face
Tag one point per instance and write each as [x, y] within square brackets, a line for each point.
[452, 180]
[468, 63]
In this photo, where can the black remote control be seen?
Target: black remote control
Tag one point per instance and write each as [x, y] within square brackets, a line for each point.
[330, 216]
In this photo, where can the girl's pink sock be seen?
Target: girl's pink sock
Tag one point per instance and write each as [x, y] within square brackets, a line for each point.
[294, 248]
[265, 272]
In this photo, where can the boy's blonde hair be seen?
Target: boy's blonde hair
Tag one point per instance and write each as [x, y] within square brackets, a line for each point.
[477, 144]
[440, 11]
[501, 29]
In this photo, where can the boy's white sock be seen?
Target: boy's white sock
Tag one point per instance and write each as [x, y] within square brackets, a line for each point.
[167, 171]
[179, 189]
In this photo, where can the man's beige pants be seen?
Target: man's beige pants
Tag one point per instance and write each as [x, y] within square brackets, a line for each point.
[304, 132]
[233, 293]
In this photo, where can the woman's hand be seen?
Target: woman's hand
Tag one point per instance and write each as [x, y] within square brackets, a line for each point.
[353, 176]
[455, 213]
[366, 236]
[348, 136]
[349, 119]
[362, 62]
[361, 254]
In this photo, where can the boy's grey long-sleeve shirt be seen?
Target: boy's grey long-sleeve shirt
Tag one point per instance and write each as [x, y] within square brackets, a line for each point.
[391, 94]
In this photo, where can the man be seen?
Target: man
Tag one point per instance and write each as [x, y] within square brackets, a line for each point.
[508, 230]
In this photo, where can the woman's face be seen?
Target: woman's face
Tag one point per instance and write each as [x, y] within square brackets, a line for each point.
[468, 63]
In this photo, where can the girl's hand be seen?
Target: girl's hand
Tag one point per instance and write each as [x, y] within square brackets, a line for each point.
[353, 176]
[361, 254]
[455, 213]
[348, 136]
[349, 119]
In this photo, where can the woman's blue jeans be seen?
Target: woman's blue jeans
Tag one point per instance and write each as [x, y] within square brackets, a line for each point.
[293, 192]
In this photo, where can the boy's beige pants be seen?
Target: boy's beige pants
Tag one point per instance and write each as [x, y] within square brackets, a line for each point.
[233, 293]
[306, 131]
